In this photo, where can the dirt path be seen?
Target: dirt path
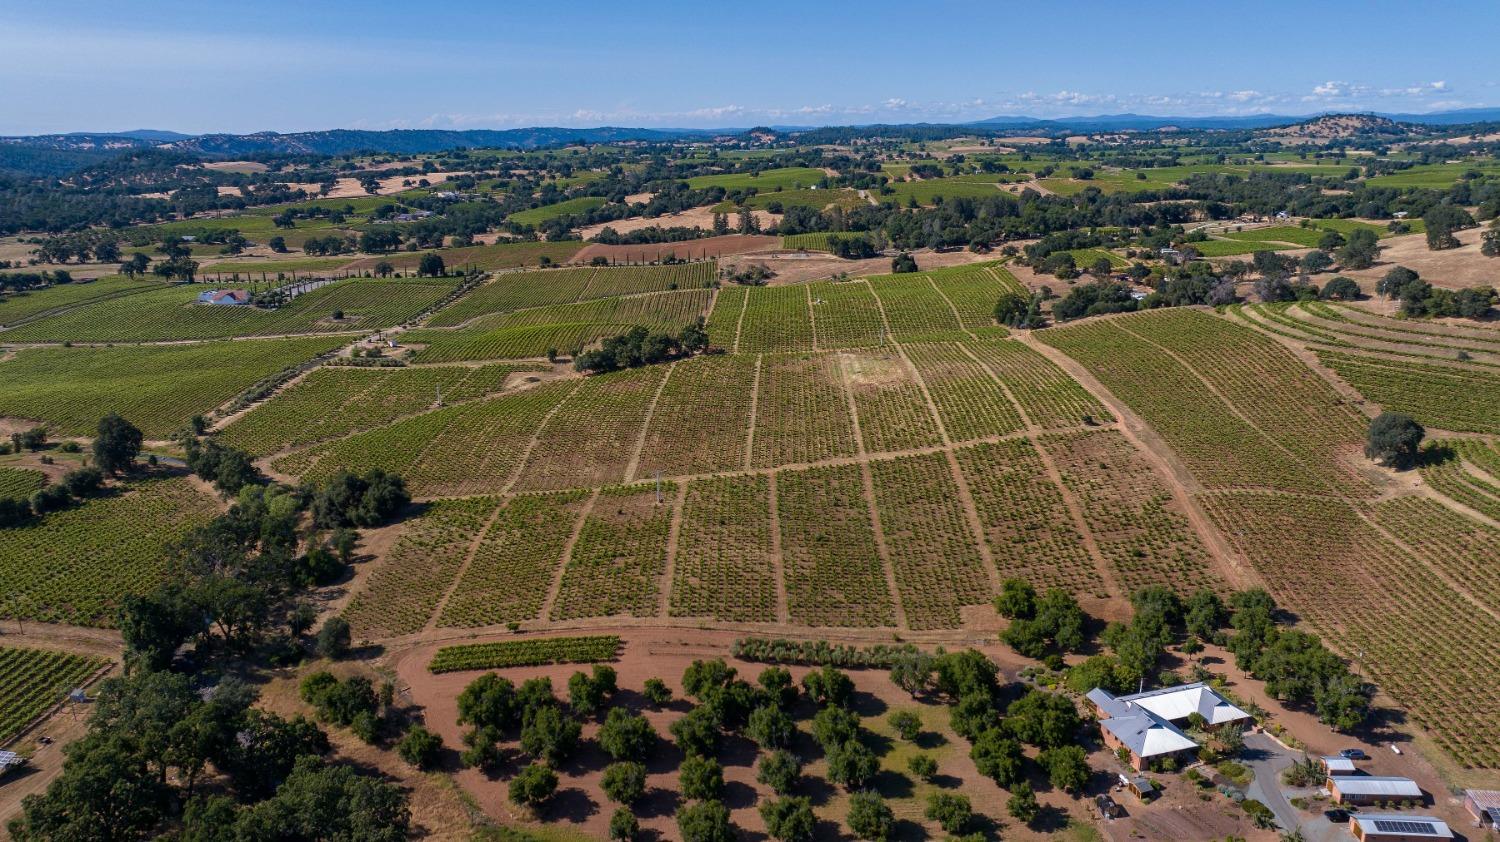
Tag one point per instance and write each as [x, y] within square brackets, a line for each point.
[567, 557]
[1168, 467]
[1105, 570]
[463, 567]
[754, 407]
[640, 442]
[674, 534]
[867, 479]
[957, 319]
[778, 560]
[1354, 505]
[739, 324]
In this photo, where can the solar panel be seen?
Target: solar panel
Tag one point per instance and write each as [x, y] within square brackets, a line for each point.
[1401, 826]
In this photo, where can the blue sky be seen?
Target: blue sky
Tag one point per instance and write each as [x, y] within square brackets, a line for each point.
[315, 64]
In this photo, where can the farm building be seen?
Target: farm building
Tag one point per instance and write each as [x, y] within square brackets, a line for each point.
[1484, 806]
[1336, 765]
[1397, 828]
[1368, 789]
[1147, 724]
[228, 297]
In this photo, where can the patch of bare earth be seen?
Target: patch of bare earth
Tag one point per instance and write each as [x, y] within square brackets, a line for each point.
[694, 218]
[1452, 268]
[792, 267]
[686, 250]
[580, 804]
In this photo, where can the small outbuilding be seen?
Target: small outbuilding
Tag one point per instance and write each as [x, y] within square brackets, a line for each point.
[1334, 764]
[1398, 828]
[1484, 806]
[230, 297]
[1369, 789]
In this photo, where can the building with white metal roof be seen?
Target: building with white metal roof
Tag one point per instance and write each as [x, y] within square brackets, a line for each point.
[1145, 724]
[1398, 828]
[1365, 789]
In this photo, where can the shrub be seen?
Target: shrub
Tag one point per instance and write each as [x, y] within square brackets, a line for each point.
[624, 783]
[697, 733]
[626, 736]
[701, 779]
[778, 770]
[923, 766]
[707, 821]
[623, 825]
[952, 812]
[1022, 803]
[533, 785]
[334, 638]
[419, 747]
[656, 692]
[870, 818]
[907, 724]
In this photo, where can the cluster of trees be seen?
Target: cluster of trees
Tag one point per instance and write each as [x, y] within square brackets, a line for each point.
[640, 346]
[155, 738]
[116, 444]
[1295, 666]
[236, 582]
[1442, 221]
[997, 729]
[1420, 298]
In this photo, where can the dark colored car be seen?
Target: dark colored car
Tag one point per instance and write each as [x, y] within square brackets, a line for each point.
[1354, 754]
[1336, 816]
[1108, 808]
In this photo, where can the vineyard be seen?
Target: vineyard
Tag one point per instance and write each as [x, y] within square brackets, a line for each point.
[172, 313]
[523, 290]
[18, 306]
[74, 565]
[33, 680]
[20, 483]
[526, 653]
[1425, 643]
[563, 327]
[336, 402]
[157, 388]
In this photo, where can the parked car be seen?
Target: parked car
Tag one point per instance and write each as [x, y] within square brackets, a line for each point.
[1108, 808]
[1354, 754]
[1336, 816]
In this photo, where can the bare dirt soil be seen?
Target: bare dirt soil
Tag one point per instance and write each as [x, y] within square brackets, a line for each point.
[686, 250]
[1452, 268]
[580, 804]
[695, 218]
[792, 267]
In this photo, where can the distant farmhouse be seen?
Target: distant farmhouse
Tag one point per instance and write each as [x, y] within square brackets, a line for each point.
[227, 297]
[1148, 724]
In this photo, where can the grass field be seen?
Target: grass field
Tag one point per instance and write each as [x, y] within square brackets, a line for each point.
[786, 178]
[546, 213]
[157, 388]
[172, 313]
[73, 566]
[497, 256]
[792, 198]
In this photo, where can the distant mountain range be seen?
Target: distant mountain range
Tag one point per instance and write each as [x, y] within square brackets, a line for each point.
[412, 141]
[1143, 122]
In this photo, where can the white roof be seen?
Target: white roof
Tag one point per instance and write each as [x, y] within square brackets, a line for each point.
[1391, 787]
[1335, 763]
[1143, 721]
[1174, 703]
[1395, 824]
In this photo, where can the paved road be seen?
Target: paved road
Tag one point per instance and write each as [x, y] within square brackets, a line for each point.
[1267, 759]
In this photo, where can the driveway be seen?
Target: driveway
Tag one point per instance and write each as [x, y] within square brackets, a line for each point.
[1267, 759]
